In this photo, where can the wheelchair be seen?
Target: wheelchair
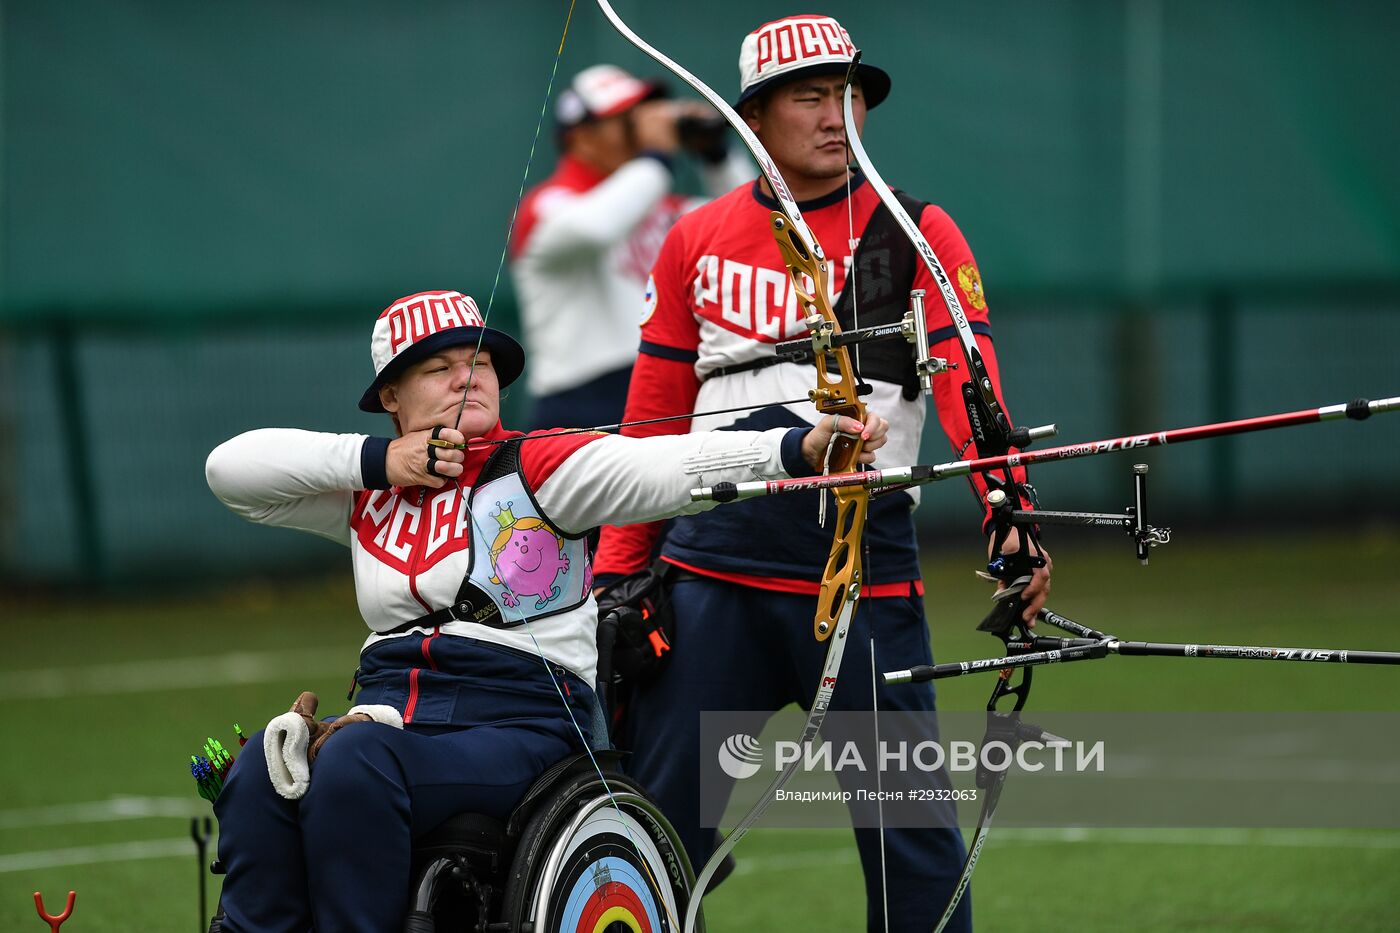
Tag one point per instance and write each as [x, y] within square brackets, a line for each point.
[575, 855]
[572, 857]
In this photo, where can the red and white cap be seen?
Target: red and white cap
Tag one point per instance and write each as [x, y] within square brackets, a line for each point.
[806, 44]
[602, 91]
[416, 327]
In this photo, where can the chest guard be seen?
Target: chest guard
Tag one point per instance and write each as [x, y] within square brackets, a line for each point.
[519, 561]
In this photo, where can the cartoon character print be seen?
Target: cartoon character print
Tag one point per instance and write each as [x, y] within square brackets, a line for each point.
[527, 557]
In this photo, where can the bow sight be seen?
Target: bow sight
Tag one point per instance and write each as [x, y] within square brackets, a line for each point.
[1134, 520]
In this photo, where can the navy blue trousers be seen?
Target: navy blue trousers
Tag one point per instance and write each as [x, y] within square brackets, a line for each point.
[739, 648]
[338, 858]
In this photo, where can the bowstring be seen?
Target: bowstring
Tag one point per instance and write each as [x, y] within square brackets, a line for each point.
[529, 629]
[515, 211]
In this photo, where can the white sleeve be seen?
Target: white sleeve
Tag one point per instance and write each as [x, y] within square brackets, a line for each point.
[624, 480]
[723, 177]
[601, 217]
[289, 478]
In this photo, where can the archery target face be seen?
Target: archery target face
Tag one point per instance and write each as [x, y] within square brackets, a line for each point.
[604, 888]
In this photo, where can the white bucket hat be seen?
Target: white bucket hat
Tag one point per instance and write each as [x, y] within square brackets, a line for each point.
[806, 44]
[416, 327]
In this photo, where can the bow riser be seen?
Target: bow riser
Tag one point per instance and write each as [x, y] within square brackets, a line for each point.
[842, 577]
[835, 395]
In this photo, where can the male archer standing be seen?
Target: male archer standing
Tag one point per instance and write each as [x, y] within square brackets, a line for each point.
[719, 299]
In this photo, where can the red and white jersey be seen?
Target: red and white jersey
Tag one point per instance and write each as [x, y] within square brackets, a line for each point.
[582, 247]
[411, 546]
[719, 296]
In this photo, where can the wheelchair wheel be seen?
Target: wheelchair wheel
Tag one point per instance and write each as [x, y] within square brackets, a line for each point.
[585, 863]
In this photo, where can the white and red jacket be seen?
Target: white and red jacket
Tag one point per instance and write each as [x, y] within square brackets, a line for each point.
[582, 247]
[411, 546]
[719, 296]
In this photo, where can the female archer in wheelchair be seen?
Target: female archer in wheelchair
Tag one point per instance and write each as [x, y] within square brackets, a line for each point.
[471, 567]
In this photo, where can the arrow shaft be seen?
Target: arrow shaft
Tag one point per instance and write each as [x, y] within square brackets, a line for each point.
[914, 475]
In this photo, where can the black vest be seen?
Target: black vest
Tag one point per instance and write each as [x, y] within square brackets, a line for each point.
[877, 292]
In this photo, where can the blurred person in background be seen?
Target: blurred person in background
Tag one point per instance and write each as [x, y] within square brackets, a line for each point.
[473, 576]
[719, 298]
[587, 236]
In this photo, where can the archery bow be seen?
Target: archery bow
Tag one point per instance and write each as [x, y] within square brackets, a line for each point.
[835, 394]
[992, 435]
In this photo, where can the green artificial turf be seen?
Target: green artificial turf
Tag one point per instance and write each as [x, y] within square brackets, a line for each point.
[108, 700]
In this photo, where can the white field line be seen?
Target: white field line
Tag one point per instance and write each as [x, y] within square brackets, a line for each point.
[103, 811]
[95, 855]
[100, 811]
[1287, 839]
[1261, 838]
[209, 671]
[1273, 768]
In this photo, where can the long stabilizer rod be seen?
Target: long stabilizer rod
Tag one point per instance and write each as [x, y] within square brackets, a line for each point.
[1358, 410]
[1042, 650]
